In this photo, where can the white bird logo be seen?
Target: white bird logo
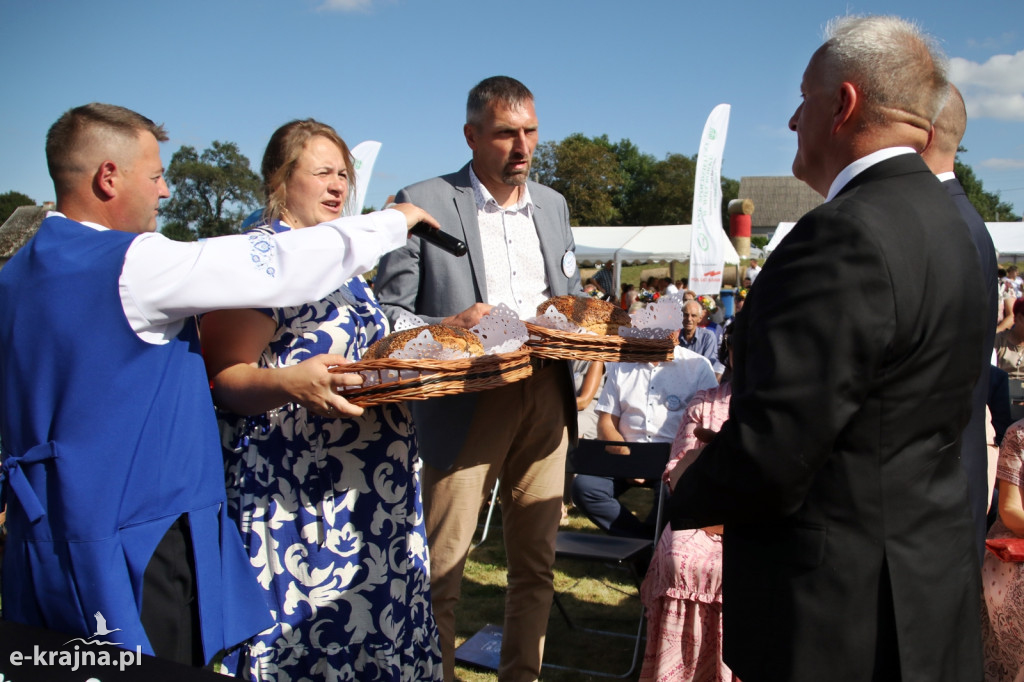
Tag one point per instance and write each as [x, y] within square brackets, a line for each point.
[101, 626]
[101, 631]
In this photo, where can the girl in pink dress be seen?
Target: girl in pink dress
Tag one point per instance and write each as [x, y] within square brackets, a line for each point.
[683, 587]
[1003, 582]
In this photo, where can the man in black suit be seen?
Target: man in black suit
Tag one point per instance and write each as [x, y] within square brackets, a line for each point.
[941, 156]
[848, 545]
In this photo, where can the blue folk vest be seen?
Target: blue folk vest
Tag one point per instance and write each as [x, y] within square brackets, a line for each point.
[106, 441]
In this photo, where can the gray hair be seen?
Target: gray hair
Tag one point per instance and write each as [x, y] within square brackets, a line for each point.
[502, 89]
[893, 62]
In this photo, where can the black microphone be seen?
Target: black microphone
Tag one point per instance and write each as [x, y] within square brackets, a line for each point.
[441, 240]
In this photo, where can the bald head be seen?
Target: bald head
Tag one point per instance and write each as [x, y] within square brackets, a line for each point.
[950, 126]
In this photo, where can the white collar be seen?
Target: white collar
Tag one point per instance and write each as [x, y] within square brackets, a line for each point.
[861, 165]
[95, 226]
[945, 177]
[483, 196]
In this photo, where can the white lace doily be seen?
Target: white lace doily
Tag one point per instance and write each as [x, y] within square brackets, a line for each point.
[407, 320]
[656, 320]
[500, 331]
[552, 319]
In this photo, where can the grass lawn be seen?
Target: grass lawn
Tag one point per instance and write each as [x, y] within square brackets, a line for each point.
[634, 274]
[597, 596]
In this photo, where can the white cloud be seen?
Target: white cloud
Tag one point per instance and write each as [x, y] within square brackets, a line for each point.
[994, 89]
[346, 5]
[1003, 164]
[1002, 107]
[993, 43]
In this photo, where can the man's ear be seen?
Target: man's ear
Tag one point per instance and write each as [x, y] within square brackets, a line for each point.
[105, 181]
[931, 138]
[846, 103]
[470, 134]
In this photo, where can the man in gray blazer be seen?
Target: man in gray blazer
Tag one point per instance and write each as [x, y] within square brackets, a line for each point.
[521, 252]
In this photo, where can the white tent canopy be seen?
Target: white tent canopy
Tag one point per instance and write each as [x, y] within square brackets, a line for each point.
[1008, 238]
[600, 244]
[638, 244]
[780, 233]
[596, 245]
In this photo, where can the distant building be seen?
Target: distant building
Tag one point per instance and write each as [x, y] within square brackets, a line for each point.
[777, 199]
[19, 228]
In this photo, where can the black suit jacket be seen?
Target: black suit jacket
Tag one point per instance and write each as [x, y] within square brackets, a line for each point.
[999, 401]
[837, 474]
[973, 447]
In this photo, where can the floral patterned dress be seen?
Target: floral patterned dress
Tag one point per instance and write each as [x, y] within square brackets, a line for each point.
[1003, 581]
[331, 515]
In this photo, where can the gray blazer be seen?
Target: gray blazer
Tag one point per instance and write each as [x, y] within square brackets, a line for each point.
[433, 284]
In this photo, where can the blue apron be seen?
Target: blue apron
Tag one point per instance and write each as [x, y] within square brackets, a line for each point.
[106, 441]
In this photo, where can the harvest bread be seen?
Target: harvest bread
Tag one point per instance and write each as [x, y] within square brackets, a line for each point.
[594, 315]
[454, 338]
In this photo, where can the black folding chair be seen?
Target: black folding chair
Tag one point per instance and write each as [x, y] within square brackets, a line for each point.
[1016, 399]
[644, 460]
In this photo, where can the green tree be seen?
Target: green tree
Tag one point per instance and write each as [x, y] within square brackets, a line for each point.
[668, 199]
[638, 169]
[586, 172]
[10, 201]
[212, 192]
[730, 191]
[609, 183]
[988, 204]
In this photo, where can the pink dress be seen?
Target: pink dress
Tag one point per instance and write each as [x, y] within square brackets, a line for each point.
[683, 587]
[1003, 581]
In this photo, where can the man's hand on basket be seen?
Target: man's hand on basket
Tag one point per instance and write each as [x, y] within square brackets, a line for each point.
[469, 317]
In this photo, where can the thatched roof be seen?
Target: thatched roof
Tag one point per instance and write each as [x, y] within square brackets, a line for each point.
[19, 228]
[777, 199]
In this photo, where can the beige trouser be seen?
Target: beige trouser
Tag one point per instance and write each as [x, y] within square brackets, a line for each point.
[519, 434]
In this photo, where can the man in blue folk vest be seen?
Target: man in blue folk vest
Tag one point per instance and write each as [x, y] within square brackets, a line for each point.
[111, 458]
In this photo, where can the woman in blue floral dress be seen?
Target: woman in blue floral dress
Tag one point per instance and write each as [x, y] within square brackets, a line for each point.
[326, 495]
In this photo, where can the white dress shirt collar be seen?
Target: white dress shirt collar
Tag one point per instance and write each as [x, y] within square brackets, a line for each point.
[95, 226]
[861, 165]
[484, 198]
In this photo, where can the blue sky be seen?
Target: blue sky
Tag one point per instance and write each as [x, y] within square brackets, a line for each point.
[398, 71]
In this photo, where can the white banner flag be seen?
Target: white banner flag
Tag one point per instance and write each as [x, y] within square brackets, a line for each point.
[707, 255]
[364, 155]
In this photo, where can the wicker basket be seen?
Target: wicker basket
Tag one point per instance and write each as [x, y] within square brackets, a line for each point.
[559, 345]
[447, 377]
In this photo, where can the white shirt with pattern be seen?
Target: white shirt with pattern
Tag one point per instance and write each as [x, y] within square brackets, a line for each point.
[513, 265]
